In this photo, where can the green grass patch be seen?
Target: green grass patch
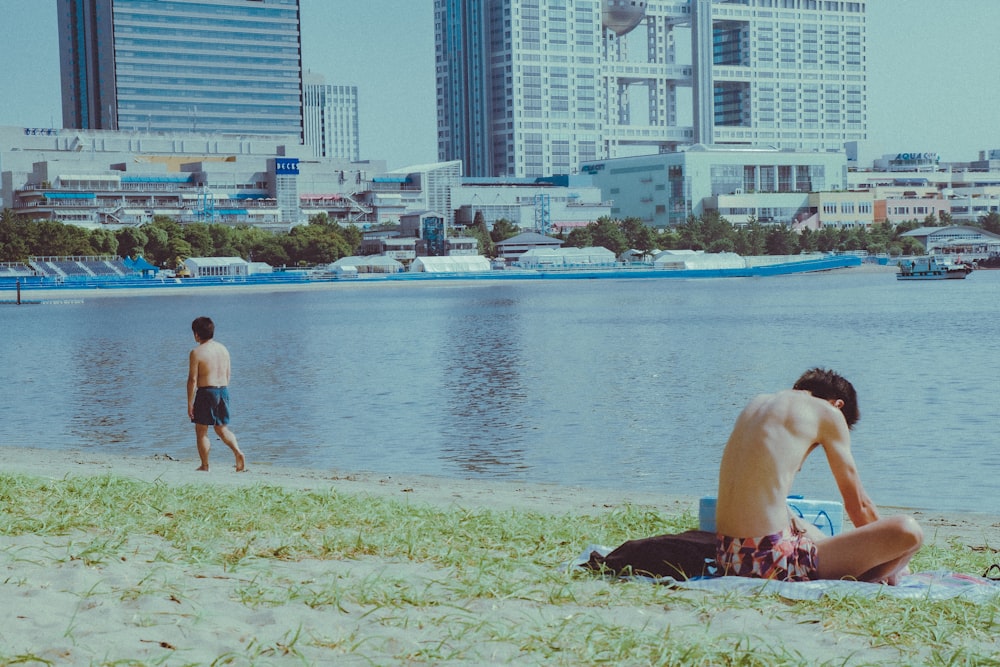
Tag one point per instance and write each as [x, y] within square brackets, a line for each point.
[482, 585]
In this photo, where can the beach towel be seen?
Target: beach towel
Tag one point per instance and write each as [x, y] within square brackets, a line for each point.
[936, 585]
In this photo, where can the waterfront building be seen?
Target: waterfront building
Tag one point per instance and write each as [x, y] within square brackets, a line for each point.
[839, 208]
[665, 189]
[899, 209]
[331, 118]
[224, 66]
[99, 177]
[530, 88]
[102, 177]
[971, 243]
[228, 267]
[546, 205]
[510, 250]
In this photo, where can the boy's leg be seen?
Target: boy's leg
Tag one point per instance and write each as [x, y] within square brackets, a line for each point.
[876, 552]
[204, 445]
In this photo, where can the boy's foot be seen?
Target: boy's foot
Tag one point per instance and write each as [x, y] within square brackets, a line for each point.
[240, 463]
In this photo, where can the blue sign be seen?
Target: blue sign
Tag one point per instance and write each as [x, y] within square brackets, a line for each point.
[286, 166]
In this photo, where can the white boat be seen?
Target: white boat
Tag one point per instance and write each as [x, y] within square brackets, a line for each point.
[929, 268]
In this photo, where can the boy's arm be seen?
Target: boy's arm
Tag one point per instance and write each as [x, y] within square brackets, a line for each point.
[192, 382]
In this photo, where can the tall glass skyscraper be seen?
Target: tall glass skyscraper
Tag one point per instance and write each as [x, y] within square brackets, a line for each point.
[536, 87]
[230, 66]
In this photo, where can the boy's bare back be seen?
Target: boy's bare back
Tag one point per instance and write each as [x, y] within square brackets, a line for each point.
[209, 365]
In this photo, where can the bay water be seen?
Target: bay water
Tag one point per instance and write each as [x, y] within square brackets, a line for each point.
[627, 384]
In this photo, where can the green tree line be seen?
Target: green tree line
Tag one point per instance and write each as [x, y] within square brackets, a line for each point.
[713, 233]
[165, 243]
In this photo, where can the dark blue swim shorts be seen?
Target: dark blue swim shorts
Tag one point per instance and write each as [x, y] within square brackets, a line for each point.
[211, 406]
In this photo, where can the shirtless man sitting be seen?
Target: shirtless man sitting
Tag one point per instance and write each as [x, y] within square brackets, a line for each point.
[208, 391]
[757, 535]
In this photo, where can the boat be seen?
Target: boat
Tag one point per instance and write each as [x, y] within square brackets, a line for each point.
[929, 268]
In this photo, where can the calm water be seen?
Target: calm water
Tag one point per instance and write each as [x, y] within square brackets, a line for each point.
[630, 384]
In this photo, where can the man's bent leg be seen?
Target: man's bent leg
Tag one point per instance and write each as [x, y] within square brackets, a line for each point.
[229, 438]
[204, 445]
[876, 552]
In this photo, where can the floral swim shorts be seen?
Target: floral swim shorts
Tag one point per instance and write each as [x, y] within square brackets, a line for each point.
[785, 556]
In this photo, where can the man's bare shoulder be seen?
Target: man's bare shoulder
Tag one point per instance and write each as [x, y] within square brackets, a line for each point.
[764, 405]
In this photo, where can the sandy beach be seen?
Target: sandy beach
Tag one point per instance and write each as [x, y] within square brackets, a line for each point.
[141, 601]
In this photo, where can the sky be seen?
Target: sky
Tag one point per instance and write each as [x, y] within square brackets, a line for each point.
[933, 68]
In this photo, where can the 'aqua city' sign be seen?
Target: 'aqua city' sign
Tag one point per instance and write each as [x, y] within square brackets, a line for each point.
[916, 157]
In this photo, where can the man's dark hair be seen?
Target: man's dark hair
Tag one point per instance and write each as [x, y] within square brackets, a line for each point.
[830, 386]
[203, 328]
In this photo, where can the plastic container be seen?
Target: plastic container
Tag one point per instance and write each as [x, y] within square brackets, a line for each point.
[827, 515]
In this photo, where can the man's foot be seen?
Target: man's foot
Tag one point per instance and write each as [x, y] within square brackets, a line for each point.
[240, 462]
[201, 469]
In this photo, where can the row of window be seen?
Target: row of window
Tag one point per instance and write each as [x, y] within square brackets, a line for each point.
[847, 208]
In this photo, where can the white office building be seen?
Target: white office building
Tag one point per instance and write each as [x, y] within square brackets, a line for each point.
[531, 87]
[766, 184]
[331, 118]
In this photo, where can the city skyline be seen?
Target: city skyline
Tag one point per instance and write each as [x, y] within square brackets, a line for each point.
[930, 73]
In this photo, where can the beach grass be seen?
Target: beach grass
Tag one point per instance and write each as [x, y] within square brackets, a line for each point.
[366, 579]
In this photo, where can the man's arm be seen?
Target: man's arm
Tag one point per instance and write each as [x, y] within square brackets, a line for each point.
[837, 444]
[192, 382]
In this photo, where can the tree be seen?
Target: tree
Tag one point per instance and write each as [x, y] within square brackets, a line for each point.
[158, 249]
[751, 238]
[353, 237]
[991, 222]
[479, 232]
[580, 237]
[639, 235]
[779, 241]
[807, 240]
[503, 229]
[104, 242]
[13, 245]
[199, 240]
[132, 240]
[607, 233]
[316, 243]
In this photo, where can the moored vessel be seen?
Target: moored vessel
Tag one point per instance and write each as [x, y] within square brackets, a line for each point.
[929, 268]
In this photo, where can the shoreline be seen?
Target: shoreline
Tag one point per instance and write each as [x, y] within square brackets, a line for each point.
[31, 295]
[972, 529]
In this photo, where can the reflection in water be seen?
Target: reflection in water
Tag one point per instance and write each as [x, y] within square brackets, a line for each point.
[622, 384]
[102, 399]
[486, 407]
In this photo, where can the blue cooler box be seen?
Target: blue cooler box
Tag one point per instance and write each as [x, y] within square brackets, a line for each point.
[827, 515]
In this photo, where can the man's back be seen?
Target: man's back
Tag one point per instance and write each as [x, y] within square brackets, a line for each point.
[771, 439]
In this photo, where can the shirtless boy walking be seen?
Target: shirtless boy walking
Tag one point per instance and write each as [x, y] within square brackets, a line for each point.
[757, 535]
[208, 392]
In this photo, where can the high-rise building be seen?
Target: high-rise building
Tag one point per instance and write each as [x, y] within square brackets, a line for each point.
[331, 118]
[230, 66]
[536, 87]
